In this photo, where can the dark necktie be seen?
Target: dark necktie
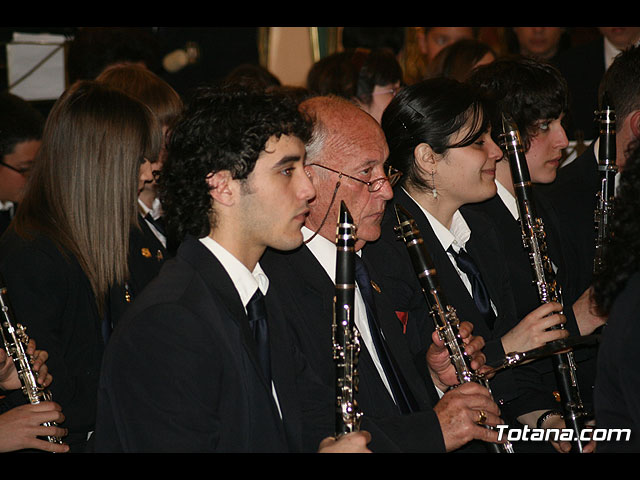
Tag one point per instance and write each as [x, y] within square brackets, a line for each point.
[156, 222]
[402, 394]
[478, 288]
[257, 312]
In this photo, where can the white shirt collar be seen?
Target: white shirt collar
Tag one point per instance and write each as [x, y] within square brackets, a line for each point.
[246, 282]
[143, 207]
[459, 233]
[6, 206]
[156, 208]
[610, 52]
[324, 250]
[508, 199]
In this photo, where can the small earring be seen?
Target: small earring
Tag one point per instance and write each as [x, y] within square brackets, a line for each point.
[433, 188]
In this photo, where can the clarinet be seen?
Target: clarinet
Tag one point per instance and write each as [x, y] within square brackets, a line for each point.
[607, 169]
[444, 315]
[533, 236]
[346, 339]
[15, 342]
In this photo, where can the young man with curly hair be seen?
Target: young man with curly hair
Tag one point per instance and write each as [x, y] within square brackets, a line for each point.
[233, 184]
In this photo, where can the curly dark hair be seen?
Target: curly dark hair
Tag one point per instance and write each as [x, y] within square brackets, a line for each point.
[620, 82]
[221, 128]
[622, 255]
[529, 90]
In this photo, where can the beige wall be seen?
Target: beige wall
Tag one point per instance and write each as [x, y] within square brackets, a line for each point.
[290, 54]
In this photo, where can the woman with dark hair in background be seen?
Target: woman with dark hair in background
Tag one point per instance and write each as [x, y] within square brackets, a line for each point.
[370, 78]
[439, 136]
[459, 59]
[69, 241]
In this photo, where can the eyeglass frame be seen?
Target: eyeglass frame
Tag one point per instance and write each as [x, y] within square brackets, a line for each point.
[22, 171]
[392, 177]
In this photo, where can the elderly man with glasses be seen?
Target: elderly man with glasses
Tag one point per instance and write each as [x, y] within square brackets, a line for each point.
[20, 132]
[400, 394]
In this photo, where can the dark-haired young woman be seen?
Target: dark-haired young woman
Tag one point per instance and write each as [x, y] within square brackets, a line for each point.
[439, 136]
[69, 241]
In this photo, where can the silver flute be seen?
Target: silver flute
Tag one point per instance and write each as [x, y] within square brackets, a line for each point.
[346, 338]
[444, 315]
[15, 343]
[534, 241]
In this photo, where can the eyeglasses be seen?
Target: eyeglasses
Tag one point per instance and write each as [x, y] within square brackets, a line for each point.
[392, 177]
[22, 171]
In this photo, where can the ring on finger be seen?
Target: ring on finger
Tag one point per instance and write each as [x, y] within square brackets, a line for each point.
[482, 417]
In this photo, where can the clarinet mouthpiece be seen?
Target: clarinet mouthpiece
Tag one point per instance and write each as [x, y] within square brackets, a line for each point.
[345, 215]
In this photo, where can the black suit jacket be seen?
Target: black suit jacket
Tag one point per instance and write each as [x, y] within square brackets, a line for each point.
[181, 372]
[146, 257]
[564, 256]
[617, 390]
[400, 280]
[53, 298]
[582, 67]
[5, 220]
[574, 197]
[300, 278]
[517, 257]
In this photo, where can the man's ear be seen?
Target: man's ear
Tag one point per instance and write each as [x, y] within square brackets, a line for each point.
[634, 123]
[221, 187]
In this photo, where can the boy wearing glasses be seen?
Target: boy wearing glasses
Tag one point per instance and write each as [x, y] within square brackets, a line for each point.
[20, 133]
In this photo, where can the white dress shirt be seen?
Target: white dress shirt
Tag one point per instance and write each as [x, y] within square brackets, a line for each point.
[325, 252]
[246, 282]
[455, 237]
[7, 206]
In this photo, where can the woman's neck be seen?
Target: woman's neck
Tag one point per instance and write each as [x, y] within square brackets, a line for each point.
[441, 208]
